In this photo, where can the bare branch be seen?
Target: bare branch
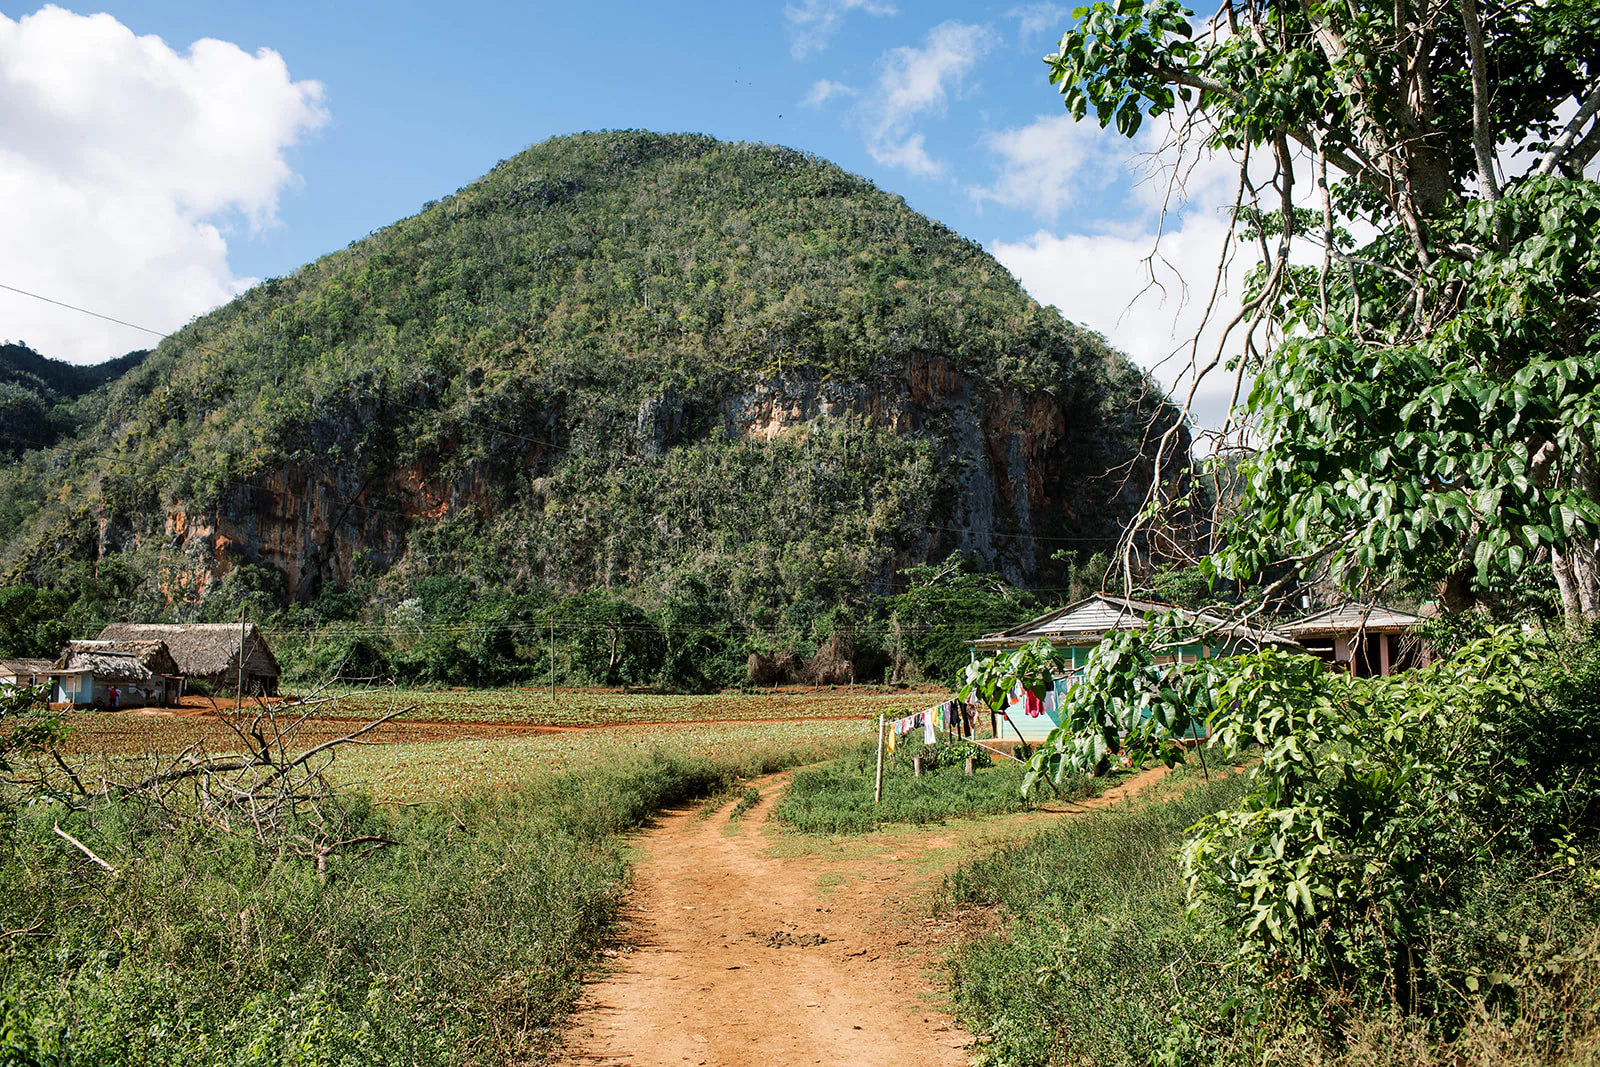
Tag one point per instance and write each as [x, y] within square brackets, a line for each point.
[81, 847]
[1564, 143]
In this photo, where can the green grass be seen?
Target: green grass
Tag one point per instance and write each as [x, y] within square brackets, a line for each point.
[1093, 961]
[837, 798]
[463, 943]
[747, 802]
[1094, 946]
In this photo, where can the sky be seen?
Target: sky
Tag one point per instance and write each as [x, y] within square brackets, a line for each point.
[157, 158]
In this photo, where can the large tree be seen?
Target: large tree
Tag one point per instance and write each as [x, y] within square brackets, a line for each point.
[1423, 327]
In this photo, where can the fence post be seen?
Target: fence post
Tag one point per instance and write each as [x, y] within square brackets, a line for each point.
[969, 766]
[877, 785]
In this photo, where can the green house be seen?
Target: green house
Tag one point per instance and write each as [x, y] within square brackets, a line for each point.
[1078, 628]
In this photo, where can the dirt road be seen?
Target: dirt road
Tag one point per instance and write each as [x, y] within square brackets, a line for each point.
[750, 947]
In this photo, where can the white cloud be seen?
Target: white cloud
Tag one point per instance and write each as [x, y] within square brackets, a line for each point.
[1033, 19]
[132, 163]
[813, 23]
[1148, 308]
[1048, 163]
[913, 82]
[824, 90]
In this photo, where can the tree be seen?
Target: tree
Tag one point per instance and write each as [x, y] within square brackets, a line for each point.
[1427, 398]
[32, 621]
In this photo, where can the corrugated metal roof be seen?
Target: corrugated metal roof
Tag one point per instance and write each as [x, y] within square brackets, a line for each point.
[1097, 615]
[1351, 617]
[24, 666]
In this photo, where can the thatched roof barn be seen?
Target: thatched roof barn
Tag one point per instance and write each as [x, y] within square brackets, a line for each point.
[210, 652]
[116, 674]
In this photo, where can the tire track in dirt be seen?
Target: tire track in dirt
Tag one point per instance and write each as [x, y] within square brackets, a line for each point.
[736, 955]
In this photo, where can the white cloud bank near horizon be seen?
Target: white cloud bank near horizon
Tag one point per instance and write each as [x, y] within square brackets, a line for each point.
[125, 165]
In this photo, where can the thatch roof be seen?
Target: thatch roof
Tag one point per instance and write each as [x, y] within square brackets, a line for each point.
[200, 649]
[105, 660]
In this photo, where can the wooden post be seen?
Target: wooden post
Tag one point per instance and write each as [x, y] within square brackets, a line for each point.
[1383, 655]
[877, 785]
[240, 702]
[916, 766]
[552, 661]
[968, 766]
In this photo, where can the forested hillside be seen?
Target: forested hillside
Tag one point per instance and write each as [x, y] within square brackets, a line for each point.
[630, 361]
[38, 396]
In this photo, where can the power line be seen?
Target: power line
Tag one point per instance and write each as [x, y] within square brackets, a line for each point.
[83, 311]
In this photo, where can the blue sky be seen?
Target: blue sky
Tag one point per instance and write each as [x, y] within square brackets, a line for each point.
[163, 175]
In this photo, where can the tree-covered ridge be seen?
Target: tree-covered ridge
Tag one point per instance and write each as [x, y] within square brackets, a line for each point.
[37, 395]
[557, 377]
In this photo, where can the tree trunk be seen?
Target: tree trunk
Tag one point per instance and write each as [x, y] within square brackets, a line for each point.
[1577, 564]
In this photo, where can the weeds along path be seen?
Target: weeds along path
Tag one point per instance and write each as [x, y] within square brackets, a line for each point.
[745, 946]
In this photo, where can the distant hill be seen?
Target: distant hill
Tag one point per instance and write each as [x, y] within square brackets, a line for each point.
[36, 394]
[618, 360]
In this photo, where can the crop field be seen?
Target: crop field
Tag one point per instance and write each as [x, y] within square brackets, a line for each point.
[438, 770]
[597, 707]
[456, 741]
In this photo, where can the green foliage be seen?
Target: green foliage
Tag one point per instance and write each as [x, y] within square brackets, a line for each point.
[1430, 412]
[37, 396]
[463, 943]
[33, 622]
[613, 642]
[946, 607]
[29, 726]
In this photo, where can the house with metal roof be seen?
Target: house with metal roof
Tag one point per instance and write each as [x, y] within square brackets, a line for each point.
[18, 673]
[1077, 629]
[1365, 639]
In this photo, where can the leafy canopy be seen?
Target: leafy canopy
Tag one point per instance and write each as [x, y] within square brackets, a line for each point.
[1424, 403]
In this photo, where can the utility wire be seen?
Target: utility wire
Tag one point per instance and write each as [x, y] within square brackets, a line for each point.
[83, 311]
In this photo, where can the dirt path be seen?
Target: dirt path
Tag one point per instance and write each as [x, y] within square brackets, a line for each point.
[750, 947]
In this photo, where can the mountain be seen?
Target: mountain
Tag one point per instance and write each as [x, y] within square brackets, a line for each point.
[36, 395]
[622, 360]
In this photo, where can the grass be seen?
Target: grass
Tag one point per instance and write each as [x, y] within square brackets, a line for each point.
[1088, 958]
[747, 802]
[463, 943]
[837, 798]
[1094, 945]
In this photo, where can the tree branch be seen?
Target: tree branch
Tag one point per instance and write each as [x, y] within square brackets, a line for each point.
[1558, 151]
[1482, 134]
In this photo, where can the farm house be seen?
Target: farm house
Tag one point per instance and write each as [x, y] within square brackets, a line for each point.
[1078, 628]
[142, 674]
[1366, 640]
[210, 652]
[16, 673]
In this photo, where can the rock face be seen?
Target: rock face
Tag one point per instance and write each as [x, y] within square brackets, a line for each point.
[680, 359]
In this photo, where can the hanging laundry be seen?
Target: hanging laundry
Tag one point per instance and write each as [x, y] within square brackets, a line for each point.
[892, 735]
[927, 727]
[1032, 706]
